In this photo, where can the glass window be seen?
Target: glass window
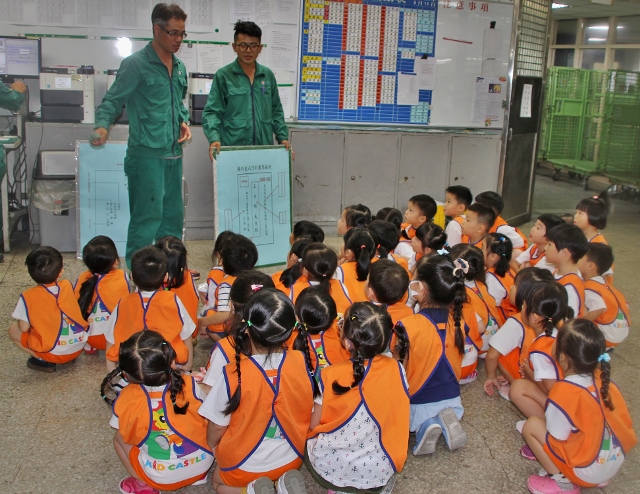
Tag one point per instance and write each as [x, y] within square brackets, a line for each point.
[567, 32]
[564, 57]
[627, 59]
[596, 31]
[628, 30]
[593, 59]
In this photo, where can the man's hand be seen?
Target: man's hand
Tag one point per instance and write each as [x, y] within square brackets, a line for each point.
[287, 145]
[213, 145]
[19, 86]
[185, 132]
[99, 136]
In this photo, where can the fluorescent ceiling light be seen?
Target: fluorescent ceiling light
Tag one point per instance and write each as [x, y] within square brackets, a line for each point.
[559, 6]
[124, 46]
[596, 39]
[600, 28]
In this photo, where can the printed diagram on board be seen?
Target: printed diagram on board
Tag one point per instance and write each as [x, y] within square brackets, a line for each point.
[256, 217]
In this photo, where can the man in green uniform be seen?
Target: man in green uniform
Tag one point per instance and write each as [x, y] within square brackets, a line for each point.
[243, 108]
[152, 83]
[10, 99]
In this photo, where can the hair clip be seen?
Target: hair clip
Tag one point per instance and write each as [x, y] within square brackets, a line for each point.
[460, 265]
[255, 288]
[443, 252]
[605, 357]
[353, 318]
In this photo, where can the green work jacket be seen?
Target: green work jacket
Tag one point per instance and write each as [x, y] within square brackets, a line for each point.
[239, 113]
[154, 104]
[9, 100]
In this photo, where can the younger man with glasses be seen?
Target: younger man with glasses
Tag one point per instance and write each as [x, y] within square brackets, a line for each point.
[244, 106]
[153, 84]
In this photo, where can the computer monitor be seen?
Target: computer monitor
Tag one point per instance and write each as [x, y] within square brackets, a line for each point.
[20, 57]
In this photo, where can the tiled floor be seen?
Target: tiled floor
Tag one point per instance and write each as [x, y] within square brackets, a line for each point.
[57, 438]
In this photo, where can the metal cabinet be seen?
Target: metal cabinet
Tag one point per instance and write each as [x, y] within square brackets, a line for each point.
[475, 162]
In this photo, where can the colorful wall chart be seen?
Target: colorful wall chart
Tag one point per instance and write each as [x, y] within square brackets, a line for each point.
[367, 61]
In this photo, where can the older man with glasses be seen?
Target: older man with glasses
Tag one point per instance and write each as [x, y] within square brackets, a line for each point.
[243, 108]
[152, 83]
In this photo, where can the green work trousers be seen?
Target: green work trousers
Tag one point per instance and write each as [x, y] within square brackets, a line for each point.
[155, 200]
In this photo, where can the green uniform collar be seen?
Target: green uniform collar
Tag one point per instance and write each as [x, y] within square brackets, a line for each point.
[237, 69]
[154, 58]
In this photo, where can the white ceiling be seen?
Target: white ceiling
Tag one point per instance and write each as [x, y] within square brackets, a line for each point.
[584, 8]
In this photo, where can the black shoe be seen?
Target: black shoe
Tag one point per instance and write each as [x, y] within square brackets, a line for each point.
[41, 365]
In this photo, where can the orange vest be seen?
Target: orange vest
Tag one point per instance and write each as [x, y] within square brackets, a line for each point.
[354, 287]
[279, 285]
[227, 279]
[136, 424]
[47, 314]
[515, 357]
[289, 403]
[402, 261]
[110, 288]
[572, 279]
[613, 299]
[427, 348]
[471, 325]
[484, 305]
[338, 293]
[188, 295]
[466, 240]
[161, 314]
[543, 345]
[500, 221]
[535, 255]
[589, 416]
[507, 282]
[399, 311]
[598, 239]
[408, 229]
[382, 391]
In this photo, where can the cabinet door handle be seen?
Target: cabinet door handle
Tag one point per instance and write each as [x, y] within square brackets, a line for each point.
[298, 180]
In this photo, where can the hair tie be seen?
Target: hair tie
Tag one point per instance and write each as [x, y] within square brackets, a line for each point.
[96, 275]
[378, 246]
[353, 318]
[443, 252]
[460, 266]
[248, 323]
[324, 275]
[299, 259]
[256, 288]
[605, 357]
[363, 246]
[503, 255]
[596, 197]
[163, 343]
[550, 319]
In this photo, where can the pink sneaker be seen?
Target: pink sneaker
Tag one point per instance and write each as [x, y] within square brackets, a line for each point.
[527, 454]
[134, 486]
[548, 485]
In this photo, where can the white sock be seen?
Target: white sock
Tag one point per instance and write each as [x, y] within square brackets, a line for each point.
[250, 489]
[563, 482]
[280, 487]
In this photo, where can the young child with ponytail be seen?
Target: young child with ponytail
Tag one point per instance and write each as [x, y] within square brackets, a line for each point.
[587, 430]
[386, 235]
[497, 249]
[259, 412]
[436, 349]
[160, 438]
[358, 251]
[288, 276]
[429, 239]
[360, 425]
[100, 288]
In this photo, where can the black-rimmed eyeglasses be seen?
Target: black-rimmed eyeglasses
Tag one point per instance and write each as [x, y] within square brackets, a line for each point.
[174, 34]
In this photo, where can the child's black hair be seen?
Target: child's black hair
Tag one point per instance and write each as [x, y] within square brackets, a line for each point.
[356, 219]
[475, 259]
[248, 28]
[392, 215]
[569, 237]
[385, 234]
[44, 264]
[446, 287]
[290, 275]
[431, 236]
[597, 209]
[321, 263]
[316, 312]
[491, 199]
[461, 193]
[426, 204]
[601, 255]
[306, 228]
[176, 253]
[526, 280]
[99, 255]
[221, 239]
[583, 344]
[550, 221]
[361, 208]
[238, 254]
[269, 319]
[147, 358]
[549, 300]
[389, 281]
[486, 215]
[499, 244]
[368, 327]
[245, 285]
[148, 268]
[361, 243]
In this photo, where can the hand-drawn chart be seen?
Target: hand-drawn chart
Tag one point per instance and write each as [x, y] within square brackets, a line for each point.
[252, 197]
[103, 198]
